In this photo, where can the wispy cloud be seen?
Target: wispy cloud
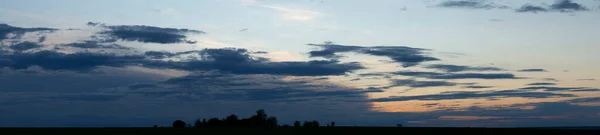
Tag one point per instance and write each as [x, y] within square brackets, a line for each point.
[563, 6]
[589, 79]
[533, 70]
[470, 4]
[287, 13]
[167, 11]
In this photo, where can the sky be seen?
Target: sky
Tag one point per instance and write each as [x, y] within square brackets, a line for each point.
[432, 63]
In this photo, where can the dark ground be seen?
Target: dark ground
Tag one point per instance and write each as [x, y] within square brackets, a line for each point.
[295, 131]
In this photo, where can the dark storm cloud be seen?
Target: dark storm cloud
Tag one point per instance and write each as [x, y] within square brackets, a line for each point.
[6, 29]
[419, 84]
[435, 75]
[239, 61]
[406, 56]
[260, 52]
[372, 90]
[159, 54]
[567, 6]
[219, 86]
[542, 83]
[473, 95]
[141, 86]
[91, 97]
[545, 114]
[40, 80]
[550, 79]
[372, 74]
[470, 4]
[531, 8]
[42, 39]
[584, 100]
[532, 70]
[563, 6]
[477, 87]
[144, 34]
[24, 46]
[459, 68]
[96, 45]
[565, 89]
[236, 61]
[61, 61]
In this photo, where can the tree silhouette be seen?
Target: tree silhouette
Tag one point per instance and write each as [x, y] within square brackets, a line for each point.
[315, 123]
[258, 120]
[213, 122]
[297, 124]
[198, 123]
[179, 124]
[261, 114]
[271, 122]
[307, 124]
[232, 121]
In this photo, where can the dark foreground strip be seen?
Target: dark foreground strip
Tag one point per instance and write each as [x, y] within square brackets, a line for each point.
[294, 131]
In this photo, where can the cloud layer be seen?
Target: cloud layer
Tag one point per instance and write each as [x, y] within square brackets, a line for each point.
[470, 4]
[564, 6]
[44, 83]
[145, 34]
[406, 56]
[560, 6]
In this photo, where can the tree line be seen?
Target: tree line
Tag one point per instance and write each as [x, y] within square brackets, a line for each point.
[258, 120]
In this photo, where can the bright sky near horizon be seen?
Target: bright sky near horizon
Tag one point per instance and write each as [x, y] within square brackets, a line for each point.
[381, 62]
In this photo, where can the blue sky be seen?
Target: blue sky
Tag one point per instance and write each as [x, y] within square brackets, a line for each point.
[377, 63]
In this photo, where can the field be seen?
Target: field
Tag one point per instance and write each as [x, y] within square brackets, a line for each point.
[294, 131]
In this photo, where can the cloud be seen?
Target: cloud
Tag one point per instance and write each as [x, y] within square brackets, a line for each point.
[545, 114]
[531, 8]
[406, 56]
[472, 4]
[159, 54]
[542, 83]
[167, 11]
[294, 14]
[473, 95]
[150, 85]
[459, 68]
[215, 86]
[477, 87]
[24, 46]
[282, 96]
[566, 89]
[567, 6]
[563, 6]
[144, 34]
[51, 81]
[42, 39]
[18, 32]
[584, 100]
[86, 97]
[236, 61]
[419, 84]
[550, 79]
[252, 87]
[53, 60]
[95, 45]
[141, 86]
[532, 70]
[239, 61]
[586, 79]
[435, 75]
